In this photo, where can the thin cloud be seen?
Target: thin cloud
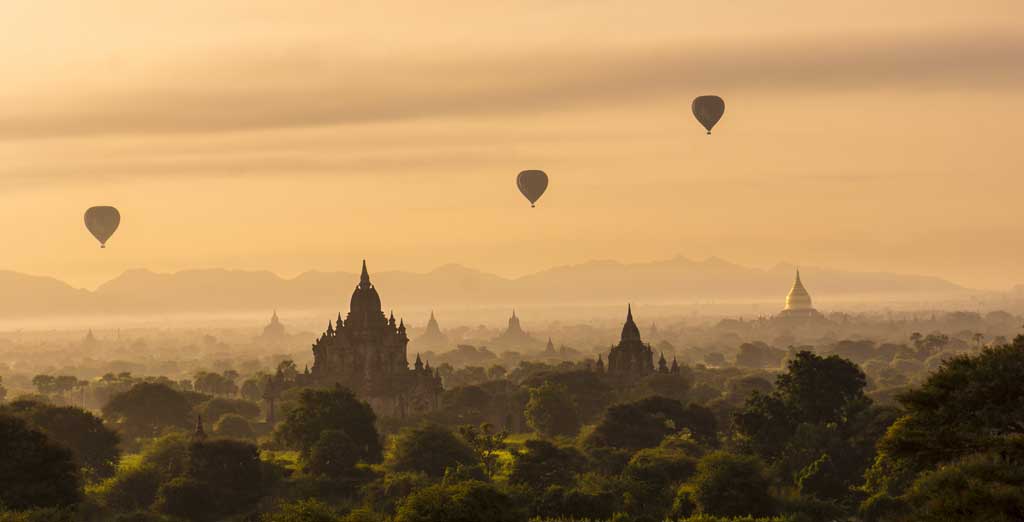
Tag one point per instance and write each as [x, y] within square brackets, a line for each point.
[243, 94]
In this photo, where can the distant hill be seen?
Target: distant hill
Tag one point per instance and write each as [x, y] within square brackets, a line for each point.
[678, 280]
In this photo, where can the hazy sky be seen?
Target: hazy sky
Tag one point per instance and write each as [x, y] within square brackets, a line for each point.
[301, 134]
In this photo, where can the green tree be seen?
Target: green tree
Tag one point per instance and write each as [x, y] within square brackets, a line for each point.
[551, 412]
[643, 424]
[988, 487]
[428, 449]
[821, 389]
[132, 489]
[309, 510]
[463, 502]
[230, 469]
[814, 390]
[486, 444]
[35, 472]
[727, 485]
[586, 390]
[320, 410]
[147, 409]
[334, 455]
[186, 498]
[215, 408]
[233, 426]
[660, 467]
[543, 464]
[968, 405]
[94, 445]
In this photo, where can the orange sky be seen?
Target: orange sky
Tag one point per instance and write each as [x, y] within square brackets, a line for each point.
[309, 134]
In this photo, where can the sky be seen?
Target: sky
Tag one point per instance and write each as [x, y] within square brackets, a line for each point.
[307, 135]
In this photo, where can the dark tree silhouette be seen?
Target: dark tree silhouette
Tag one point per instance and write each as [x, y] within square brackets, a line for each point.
[551, 412]
[147, 409]
[94, 445]
[35, 472]
[463, 502]
[320, 410]
[543, 464]
[428, 449]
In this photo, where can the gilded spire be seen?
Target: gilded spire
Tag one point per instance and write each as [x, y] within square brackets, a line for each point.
[798, 298]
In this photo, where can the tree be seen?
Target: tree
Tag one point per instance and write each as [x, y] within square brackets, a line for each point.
[587, 391]
[213, 409]
[550, 411]
[233, 426]
[543, 464]
[727, 485]
[186, 498]
[3, 391]
[252, 389]
[660, 467]
[133, 489]
[486, 444]
[814, 390]
[320, 410]
[822, 479]
[334, 455]
[36, 472]
[309, 510]
[215, 384]
[644, 423]
[968, 404]
[230, 469]
[979, 487]
[759, 355]
[95, 447]
[819, 388]
[470, 501]
[428, 449]
[147, 409]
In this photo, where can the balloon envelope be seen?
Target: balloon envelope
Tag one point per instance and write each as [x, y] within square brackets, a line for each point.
[102, 222]
[708, 110]
[532, 183]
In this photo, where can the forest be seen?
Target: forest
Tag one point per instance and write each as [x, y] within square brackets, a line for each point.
[845, 432]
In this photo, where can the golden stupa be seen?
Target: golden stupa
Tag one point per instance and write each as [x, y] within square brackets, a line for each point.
[798, 302]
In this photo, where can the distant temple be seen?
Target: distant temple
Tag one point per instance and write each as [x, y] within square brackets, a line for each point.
[549, 350]
[631, 356]
[274, 330]
[367, 354]
[798, 302]
[514, 336]
[432, 338]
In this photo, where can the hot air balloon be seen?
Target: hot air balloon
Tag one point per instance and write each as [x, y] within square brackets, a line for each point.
[708, 110]
[102, 222]
[532, 183]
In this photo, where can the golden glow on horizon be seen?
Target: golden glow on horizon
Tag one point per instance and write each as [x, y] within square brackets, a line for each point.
[303, 135]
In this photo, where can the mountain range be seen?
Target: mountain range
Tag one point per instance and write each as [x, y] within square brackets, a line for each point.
[678, 280]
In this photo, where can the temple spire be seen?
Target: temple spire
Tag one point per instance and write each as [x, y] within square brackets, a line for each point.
[199, 434]
[630, 331]
[364, 278]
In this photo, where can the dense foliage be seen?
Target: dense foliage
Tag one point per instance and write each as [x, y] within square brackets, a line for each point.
[807, 442]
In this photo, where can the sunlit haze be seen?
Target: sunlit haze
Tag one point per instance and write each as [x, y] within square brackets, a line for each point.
[301, 135]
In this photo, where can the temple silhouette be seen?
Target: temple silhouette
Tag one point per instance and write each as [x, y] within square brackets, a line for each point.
[632, 356]
[366, 352]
